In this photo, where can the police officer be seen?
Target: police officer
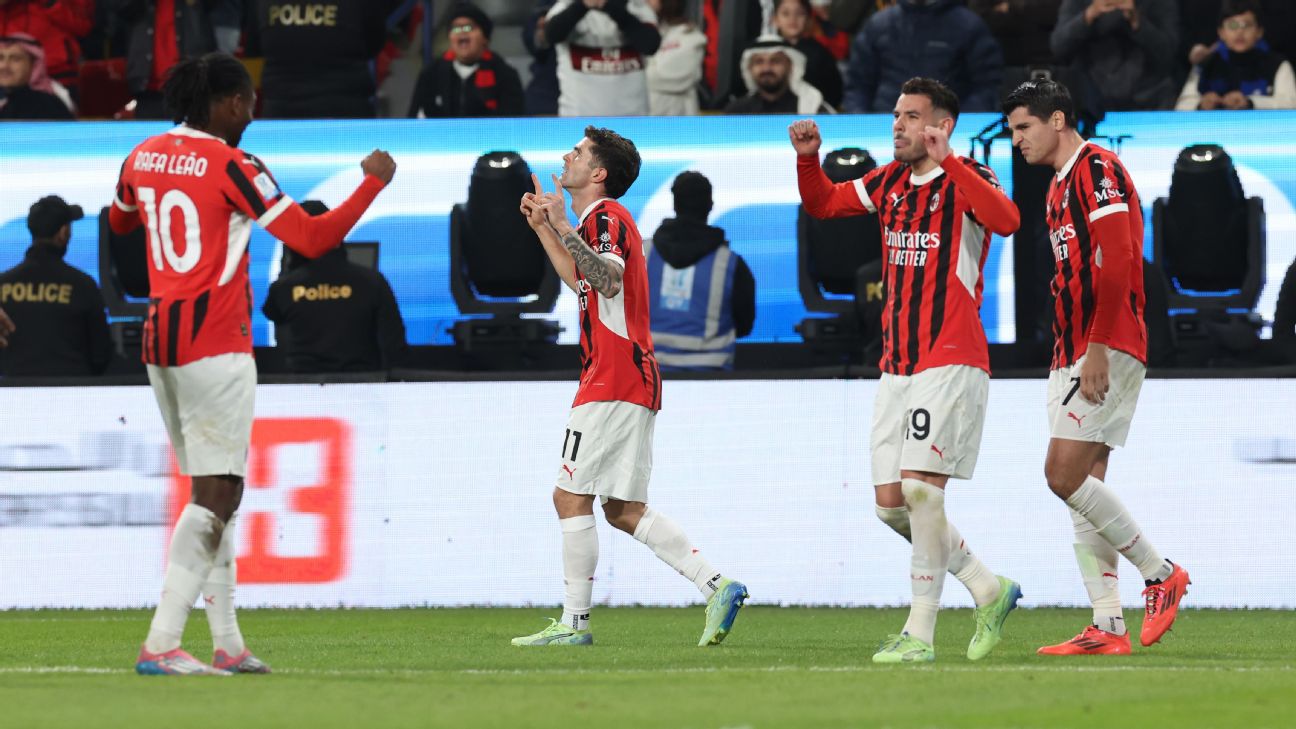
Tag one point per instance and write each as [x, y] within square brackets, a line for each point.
[58, 311]
[335, 316]
[702, 295]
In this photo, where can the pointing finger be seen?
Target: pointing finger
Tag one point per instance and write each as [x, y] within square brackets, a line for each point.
[536, 179]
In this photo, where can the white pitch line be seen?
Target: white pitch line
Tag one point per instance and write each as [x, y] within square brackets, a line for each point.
[359, 672]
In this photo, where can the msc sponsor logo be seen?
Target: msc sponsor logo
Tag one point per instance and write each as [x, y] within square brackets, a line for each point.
[1107, 191]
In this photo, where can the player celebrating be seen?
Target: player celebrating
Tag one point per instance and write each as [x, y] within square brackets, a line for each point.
[197, 195]
[607, 450]
[1099, 353]
[937, 211]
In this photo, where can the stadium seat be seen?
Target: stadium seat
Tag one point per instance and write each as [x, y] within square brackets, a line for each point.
[497, 265]
[829, 255]
[1208, 239]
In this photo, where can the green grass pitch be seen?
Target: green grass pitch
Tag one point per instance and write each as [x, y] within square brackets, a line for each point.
[782, 667]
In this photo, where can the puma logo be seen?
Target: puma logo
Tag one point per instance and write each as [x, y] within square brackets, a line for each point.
[571, 472]
[938, 452]
[1079, 419]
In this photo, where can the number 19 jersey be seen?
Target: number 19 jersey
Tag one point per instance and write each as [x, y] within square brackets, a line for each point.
[197, 197]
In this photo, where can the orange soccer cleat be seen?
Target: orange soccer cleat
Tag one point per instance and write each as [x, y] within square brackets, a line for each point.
[1162, 604]
[1091, 642]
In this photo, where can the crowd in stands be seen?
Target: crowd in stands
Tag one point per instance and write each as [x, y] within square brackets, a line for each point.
[660, 57]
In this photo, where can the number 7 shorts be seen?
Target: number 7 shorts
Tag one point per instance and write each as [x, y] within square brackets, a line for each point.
[1073, 418]
[930, 421]
[607, 451]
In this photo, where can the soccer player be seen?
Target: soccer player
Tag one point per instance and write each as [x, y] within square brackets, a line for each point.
[197, 194]
[607, 449]
[937, 211]
[1099, 353]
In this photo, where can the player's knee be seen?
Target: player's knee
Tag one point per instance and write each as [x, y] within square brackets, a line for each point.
[1062, 481]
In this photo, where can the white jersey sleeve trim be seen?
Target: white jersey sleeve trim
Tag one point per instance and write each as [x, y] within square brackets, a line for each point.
[863, 195]
[274, 212]
[1108, 210]
[123, 206]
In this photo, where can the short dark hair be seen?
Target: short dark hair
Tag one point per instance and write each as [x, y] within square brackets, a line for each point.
[941, 96]
[1041, 99]
[1229, 8]
[194, 83]
[618, 156]
[692, 193]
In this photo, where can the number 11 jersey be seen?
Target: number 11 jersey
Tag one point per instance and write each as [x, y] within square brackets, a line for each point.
[197, 197]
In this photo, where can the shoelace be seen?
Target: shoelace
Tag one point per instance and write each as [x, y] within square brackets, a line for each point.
[1153, 596]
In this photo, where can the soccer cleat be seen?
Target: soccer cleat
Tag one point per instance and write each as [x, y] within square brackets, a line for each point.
[990, 619]
[1091, 642]
[557, 634]
[1162, 604]
[904, 648]
[244, 662]
[173, 663]
[722, 610]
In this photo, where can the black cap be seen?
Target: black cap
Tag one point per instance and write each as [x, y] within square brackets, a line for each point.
[50, 213]
[475, 14]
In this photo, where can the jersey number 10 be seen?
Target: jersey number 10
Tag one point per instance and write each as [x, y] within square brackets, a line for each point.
[161, 243]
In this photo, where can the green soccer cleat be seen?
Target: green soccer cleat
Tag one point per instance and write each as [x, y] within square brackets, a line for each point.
[904, 648]
[990, 619]
[557, 634]
[722, 610]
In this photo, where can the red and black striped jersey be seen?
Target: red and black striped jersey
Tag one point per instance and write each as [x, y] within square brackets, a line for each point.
[617, 360]
[934, 246]
[198, 197]
[1091, 191]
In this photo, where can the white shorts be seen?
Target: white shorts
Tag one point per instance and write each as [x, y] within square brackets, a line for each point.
[607, 451]
[1072, 417]
[207, 407]
[930, 421]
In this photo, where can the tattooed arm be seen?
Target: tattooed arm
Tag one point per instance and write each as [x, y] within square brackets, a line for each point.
[603, 275]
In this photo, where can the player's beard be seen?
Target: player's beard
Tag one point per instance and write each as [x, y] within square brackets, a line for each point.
[911, 154]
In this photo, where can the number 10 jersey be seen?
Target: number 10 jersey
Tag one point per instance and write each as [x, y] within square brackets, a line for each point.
[197, 197]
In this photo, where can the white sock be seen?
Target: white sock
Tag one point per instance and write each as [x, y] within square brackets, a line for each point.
[671, 545]
[963, 564]
[931, 554]
[580, 550]
[189, 558]
[218, 596]
[1100, 505]
[1098, 562]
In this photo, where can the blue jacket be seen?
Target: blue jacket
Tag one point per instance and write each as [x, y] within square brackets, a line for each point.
[691, 311]
[939, 39]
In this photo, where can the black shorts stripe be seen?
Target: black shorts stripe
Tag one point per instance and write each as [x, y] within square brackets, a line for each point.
[245, 188]
[199, 313]
[173, 332]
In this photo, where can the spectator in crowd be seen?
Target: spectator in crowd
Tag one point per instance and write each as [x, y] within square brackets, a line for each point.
[161, 34]
[675, 70]
[318, 56]
[227, 24]
[601, 46]
[57, 25]
[333, 315]
[542, 89]
[28, 91]
[835, 39]
[722, 67]
[702, 295]
[1199, 34]
[792, 21]
[1022, 28]
[59, 311]
[1124, 50]
[773, 71]
[1241, 72]
[938, 39]
[468, 80]
[849, 15]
